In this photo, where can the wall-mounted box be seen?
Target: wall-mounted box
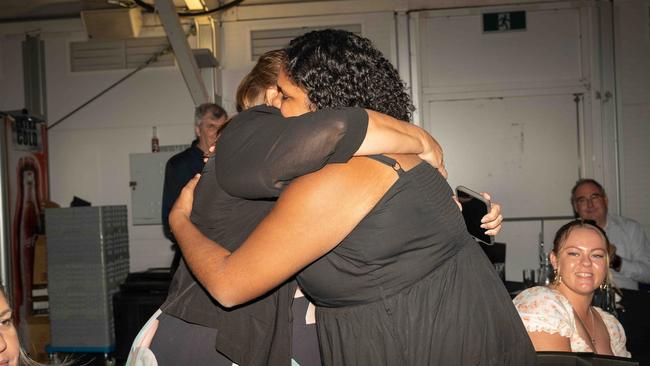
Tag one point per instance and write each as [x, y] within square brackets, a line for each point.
[112, 23]
[147, 180]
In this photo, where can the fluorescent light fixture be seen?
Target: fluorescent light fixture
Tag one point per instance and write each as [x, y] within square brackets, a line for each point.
[194, 4]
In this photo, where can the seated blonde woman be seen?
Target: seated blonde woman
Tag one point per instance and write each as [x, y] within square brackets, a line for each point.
[560, 317]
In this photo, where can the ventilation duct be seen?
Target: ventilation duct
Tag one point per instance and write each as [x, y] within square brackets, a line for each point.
[274, 39]
[97, 55]
[112, 23]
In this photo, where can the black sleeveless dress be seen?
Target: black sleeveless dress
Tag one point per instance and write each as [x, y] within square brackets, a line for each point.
[410, 286]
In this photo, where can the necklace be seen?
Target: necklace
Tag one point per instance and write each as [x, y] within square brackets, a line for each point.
[591, 338]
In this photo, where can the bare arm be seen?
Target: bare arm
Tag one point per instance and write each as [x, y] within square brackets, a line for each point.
[311, 217]
[543, 341]
[259, 154]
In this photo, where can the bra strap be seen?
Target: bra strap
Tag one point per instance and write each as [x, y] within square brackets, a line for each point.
[388, 161]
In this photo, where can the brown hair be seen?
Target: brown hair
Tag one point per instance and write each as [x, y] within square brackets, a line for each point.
[563, 233]
[251, 90]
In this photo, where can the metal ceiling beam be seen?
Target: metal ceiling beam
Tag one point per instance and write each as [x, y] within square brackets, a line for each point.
[172, 24]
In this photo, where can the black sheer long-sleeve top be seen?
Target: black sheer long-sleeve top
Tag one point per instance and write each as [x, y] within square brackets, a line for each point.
[257, 155]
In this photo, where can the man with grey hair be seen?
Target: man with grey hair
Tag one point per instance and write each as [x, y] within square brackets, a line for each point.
[209, 118]
[631, 263]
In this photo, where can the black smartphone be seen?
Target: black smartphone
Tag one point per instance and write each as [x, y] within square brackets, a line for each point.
[474, 208]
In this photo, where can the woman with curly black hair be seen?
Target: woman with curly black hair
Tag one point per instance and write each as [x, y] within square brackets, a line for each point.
[337, 70]
[380, 245]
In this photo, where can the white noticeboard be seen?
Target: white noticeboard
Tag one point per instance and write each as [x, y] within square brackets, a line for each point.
[147, 179]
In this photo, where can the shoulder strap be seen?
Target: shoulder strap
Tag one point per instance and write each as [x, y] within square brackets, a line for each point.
[388, 161]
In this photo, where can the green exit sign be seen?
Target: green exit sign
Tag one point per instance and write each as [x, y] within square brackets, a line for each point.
[504, 22]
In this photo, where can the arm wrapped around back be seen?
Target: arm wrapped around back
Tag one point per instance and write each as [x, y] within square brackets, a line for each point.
[260, 152]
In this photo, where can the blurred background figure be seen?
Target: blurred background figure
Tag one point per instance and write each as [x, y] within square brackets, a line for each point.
[209, 118]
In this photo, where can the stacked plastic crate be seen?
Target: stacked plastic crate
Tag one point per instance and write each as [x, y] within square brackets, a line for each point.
[88, 258]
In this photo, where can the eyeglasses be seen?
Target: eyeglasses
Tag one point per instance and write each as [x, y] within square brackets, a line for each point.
[582, 201]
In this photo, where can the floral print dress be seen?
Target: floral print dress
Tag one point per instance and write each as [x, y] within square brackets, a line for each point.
[543, 309]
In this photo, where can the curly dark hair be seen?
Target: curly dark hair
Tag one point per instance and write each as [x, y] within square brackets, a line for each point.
[340, 69]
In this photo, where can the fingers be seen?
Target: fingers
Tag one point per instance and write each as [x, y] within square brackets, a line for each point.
[495, 210]
[493, 227]
[192, 183]
[493, 232]
[187, 194]
[432, 152]
[492, 223]
[492, 216]
[183, 204]
[493, 220]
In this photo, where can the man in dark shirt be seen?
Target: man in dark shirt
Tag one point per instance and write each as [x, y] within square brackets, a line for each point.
[209, 118]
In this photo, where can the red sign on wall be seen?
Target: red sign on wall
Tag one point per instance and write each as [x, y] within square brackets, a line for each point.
[26, 152]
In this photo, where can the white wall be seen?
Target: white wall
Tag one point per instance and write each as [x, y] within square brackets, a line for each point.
[89, 152]
[11, 74]
[632, 30]
[503, 107]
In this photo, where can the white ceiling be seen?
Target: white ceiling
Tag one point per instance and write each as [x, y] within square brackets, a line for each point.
[18, 10]
[25, 10]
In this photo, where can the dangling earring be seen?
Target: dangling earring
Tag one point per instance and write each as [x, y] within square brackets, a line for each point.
[604, 286]
[557, 277]
[606, 282]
